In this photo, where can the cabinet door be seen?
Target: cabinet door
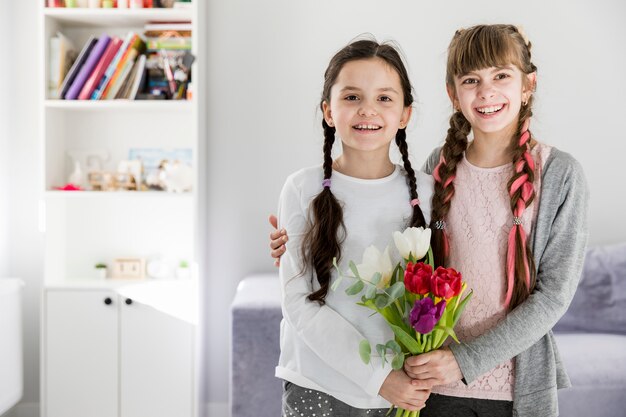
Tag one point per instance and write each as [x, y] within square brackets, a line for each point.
[156, 363]
[80, 354]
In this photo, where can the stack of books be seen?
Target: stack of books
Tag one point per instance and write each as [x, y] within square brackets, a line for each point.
[151, 66]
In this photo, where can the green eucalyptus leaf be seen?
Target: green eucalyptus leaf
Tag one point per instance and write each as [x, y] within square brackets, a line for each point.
[365, 351]
[398, 361]
[354, 270]
[336, 282]
[394, 346]
[396, 291]
[355, 288]
[376, 278]
[381, 301]
[381, 352]
[370, 294]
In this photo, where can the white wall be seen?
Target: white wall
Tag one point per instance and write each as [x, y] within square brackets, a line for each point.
[266, 68]
[25, 248]
[6, 73]
[266, 62]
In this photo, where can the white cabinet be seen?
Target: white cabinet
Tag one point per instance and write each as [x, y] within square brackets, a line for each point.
[107, 355]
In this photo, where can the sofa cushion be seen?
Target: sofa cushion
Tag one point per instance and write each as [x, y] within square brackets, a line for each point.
[255, 349]
[599, 305]
[595, 364]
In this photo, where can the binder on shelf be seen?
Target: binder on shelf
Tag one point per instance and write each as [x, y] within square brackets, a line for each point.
[104, 82]
[87, 69]
[78, 63]
[98, 72]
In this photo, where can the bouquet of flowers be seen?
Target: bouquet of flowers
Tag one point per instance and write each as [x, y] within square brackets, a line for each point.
[421, 306]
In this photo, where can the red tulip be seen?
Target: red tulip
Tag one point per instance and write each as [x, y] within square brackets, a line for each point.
[445, 283]
[417, 277]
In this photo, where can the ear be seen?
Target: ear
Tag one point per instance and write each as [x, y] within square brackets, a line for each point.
[531, 83]
[327, 115]
[452, 96]
[406, 116]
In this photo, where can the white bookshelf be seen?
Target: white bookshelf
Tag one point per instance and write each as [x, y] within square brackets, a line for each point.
[134, 358]
[83, 228]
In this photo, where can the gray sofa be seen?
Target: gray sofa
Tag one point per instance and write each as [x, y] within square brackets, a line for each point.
[591, 338]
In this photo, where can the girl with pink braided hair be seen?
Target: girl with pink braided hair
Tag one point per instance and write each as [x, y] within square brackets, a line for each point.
[511, 213]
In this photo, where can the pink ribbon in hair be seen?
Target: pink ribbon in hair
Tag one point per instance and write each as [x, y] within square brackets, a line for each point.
[520, 206]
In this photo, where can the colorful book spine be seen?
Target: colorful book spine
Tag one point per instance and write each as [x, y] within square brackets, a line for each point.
[78, 64]
[97, 94]
[98, 72]
[116, 84]
[87, 69]
[136, 45]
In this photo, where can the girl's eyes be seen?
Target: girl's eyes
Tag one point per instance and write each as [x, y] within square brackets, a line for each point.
[500, 76]
[353, 97]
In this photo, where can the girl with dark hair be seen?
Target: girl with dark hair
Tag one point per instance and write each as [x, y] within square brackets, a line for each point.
[336, 211]
[511, 213]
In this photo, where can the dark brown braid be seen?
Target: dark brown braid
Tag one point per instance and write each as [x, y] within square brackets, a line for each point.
[321, 243]
[417, 218]
[452, 153]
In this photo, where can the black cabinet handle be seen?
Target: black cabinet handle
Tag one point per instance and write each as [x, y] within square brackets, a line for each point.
[128, 301]
[108, 301]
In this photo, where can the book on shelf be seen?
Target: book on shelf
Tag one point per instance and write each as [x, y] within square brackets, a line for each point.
[140, 78]
[136, 46]
[76, 66]
[104, 82]
[132, 84]
[86, 70]
[98, 72]
[62, 55]
[168, 35]
[124, 90]
[117, 83]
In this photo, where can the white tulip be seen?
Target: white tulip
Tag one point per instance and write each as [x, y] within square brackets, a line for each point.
[414, 240]
[374, 261]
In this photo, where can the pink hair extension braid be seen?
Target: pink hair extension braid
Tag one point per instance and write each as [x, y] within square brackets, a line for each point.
[526, 195]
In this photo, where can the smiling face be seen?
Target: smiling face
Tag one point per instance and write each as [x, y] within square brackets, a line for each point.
[367, 106]
[491, 98]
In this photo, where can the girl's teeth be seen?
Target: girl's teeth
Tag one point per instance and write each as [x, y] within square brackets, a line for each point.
[367, 127]
[489, 110]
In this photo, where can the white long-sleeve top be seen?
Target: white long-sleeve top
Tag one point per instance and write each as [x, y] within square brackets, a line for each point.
[320, 343]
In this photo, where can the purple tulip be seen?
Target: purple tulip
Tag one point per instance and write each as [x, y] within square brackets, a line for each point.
[425, 314]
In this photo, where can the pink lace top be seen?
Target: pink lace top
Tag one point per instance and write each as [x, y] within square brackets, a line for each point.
[478, 224]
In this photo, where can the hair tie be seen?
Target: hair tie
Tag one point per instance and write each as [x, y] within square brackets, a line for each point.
[415, 202]
[326, 183]
[517, 221]
[440, 225]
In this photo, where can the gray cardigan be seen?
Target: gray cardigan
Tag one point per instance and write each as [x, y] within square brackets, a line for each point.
[558, 242]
